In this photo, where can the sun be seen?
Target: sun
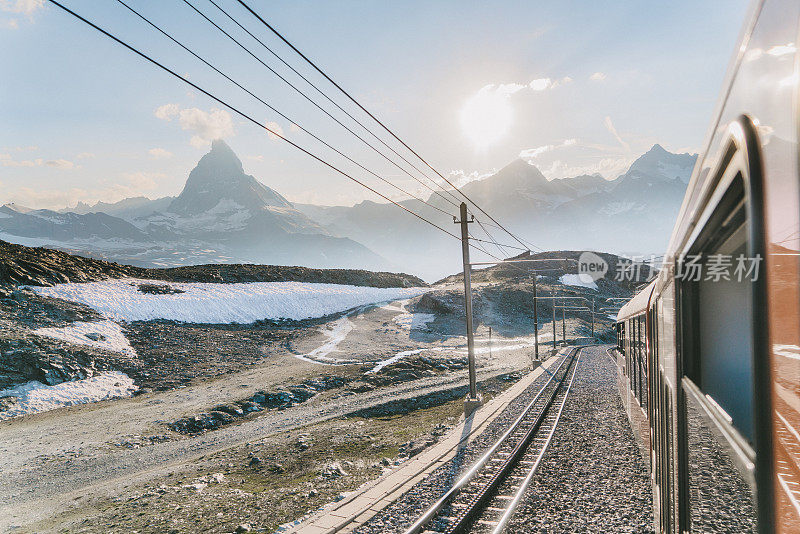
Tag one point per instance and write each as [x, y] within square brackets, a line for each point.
[486, 118]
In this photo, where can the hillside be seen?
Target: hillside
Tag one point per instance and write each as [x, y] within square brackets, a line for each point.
[21, 265]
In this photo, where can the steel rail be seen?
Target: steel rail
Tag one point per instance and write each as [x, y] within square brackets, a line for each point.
[481, 499]
[434, 509]
[512, 506]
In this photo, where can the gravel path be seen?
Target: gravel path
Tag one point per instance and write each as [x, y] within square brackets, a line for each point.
[592, 479]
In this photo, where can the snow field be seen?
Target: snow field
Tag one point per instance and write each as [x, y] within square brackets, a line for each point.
[223, 303]
[580, 280]
[107, 335]
[35, 397]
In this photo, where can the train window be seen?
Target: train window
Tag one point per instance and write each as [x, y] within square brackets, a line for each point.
[717, 317]
[723, 351]
[725, 338]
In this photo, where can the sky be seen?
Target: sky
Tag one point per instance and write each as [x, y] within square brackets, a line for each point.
[573, 87]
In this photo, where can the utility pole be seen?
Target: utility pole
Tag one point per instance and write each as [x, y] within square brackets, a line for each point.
[564, 321]
[554, 319]
[472, 402]
[535, 319]
[593, 319]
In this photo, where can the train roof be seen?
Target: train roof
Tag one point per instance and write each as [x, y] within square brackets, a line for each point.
[638, 304]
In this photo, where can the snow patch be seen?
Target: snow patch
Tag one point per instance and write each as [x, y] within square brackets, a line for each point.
[397, 357]
[414, 321]
[335, 332]
[223, 303]
[106, 335]
[580, 280]
[35, 397]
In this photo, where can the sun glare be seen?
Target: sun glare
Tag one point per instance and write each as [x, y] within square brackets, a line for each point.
[486, 118]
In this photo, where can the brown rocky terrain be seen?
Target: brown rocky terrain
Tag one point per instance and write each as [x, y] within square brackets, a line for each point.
[21, 265]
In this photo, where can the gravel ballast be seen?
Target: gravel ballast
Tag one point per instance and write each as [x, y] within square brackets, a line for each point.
[592, 479]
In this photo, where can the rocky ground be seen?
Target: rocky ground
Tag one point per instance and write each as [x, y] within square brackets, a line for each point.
[275, 480]
[240, 420]
[592, 479]
[21, 265]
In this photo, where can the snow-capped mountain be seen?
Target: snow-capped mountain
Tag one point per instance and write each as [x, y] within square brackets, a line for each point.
[225, 215]
[48, 224]
[657, 164]
[632, 214]
[128, 208]
[220, 200]
[222, 215]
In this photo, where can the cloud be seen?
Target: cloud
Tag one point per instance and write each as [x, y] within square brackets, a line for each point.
[541, 84]
[205, 125]
[256, 158]
[60, 163]
[28, 148]
[573, 157]
[131, 185]
[532, 153]
[22, 7]
[167, 112]
[85, 155]
[597, 77]
[509, 88]
[7, 161]
[536, 85]
[275, 127]
[9, 24]
[294, 128]
[159, 153]
[610, 126]
[609, 168]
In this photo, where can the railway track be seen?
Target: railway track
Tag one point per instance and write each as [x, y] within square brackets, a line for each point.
[486, 496]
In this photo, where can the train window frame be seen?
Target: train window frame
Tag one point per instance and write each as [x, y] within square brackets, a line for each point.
[732, 197]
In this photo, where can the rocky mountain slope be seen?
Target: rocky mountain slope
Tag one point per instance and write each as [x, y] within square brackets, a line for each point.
[128, 208]
[632, 214]
[21, 265]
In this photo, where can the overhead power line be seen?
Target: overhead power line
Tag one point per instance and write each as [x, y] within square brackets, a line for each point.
[311, 100]
[373, 117]
[244, 115]
[273, 109]
[318, 106]
[332, 101]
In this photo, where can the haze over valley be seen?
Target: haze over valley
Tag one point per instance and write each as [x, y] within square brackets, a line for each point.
[225, 215]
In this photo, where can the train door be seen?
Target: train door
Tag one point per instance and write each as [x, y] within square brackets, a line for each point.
[722, 393]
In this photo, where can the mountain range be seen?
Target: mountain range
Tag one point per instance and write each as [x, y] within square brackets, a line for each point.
[224, 215]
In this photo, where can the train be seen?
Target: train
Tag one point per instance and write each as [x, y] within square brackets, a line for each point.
[708, 351]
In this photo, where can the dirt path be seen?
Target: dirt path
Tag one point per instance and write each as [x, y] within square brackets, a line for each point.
[34, 490]
[58, 459]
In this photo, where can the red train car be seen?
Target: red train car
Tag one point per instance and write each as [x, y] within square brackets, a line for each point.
[710, 356]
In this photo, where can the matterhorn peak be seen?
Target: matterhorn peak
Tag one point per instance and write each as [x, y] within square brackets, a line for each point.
[219, 176]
